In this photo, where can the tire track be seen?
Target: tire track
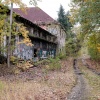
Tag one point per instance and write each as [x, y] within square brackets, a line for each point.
[79, 92]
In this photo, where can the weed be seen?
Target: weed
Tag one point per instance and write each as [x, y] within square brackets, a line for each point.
[1, 86]
[94, 82]
[54, 64]
[62, 56]
[45, 84]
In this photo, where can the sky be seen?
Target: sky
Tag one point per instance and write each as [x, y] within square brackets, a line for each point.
[51, 7]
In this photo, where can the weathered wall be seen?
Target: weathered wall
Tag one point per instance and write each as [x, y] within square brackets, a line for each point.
[23, 51]
[27, 52]
[58, 31]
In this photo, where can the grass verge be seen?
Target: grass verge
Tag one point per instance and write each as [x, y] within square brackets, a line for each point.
[93, 81]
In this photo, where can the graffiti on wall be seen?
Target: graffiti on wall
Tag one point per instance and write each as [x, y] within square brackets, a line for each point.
[46, 53]
[24, 52]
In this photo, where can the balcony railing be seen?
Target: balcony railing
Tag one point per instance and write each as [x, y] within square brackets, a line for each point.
[47, 38]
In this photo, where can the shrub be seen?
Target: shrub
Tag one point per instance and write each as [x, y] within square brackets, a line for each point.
[24, 65]
[93, 52]
[54, 64]
[13, 59]
[41, 62]
[62, 56]
[50, 63]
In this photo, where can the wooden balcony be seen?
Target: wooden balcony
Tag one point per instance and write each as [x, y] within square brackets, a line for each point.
[50, 39]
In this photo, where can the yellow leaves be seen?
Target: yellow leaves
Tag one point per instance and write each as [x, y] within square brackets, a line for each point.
[24, 33]
[17, 2]
[93, 41]
[24, 65]
[1, 25]
[20, 3]
[1, 30]
[89, 0]
[26, 41]
[16, 29]
[7, 2]
[98, 47]
[74, 13]
[72, 20]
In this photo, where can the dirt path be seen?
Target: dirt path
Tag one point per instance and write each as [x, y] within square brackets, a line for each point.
[80, 91]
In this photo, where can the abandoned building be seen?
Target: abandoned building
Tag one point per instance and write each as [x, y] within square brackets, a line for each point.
[47, 35]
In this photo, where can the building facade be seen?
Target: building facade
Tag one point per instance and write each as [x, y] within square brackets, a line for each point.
[47, 35]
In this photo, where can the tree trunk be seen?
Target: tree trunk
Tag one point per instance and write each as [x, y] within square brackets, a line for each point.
[9, 41]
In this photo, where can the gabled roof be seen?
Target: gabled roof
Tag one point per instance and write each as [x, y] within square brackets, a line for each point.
[34, 14]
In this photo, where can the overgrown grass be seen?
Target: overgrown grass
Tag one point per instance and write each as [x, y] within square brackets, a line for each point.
[51, 85]
[62, 56]
[54, 64]
[41, 62]
[50, 63]
[1, 85]
[94, 82]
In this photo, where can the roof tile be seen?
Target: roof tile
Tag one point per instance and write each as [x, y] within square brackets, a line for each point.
[34, 14]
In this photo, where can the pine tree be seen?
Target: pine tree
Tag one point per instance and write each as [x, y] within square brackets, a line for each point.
[61, 15]
[63, 19]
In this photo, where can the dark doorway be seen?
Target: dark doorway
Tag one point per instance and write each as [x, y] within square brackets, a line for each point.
[35, 52]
